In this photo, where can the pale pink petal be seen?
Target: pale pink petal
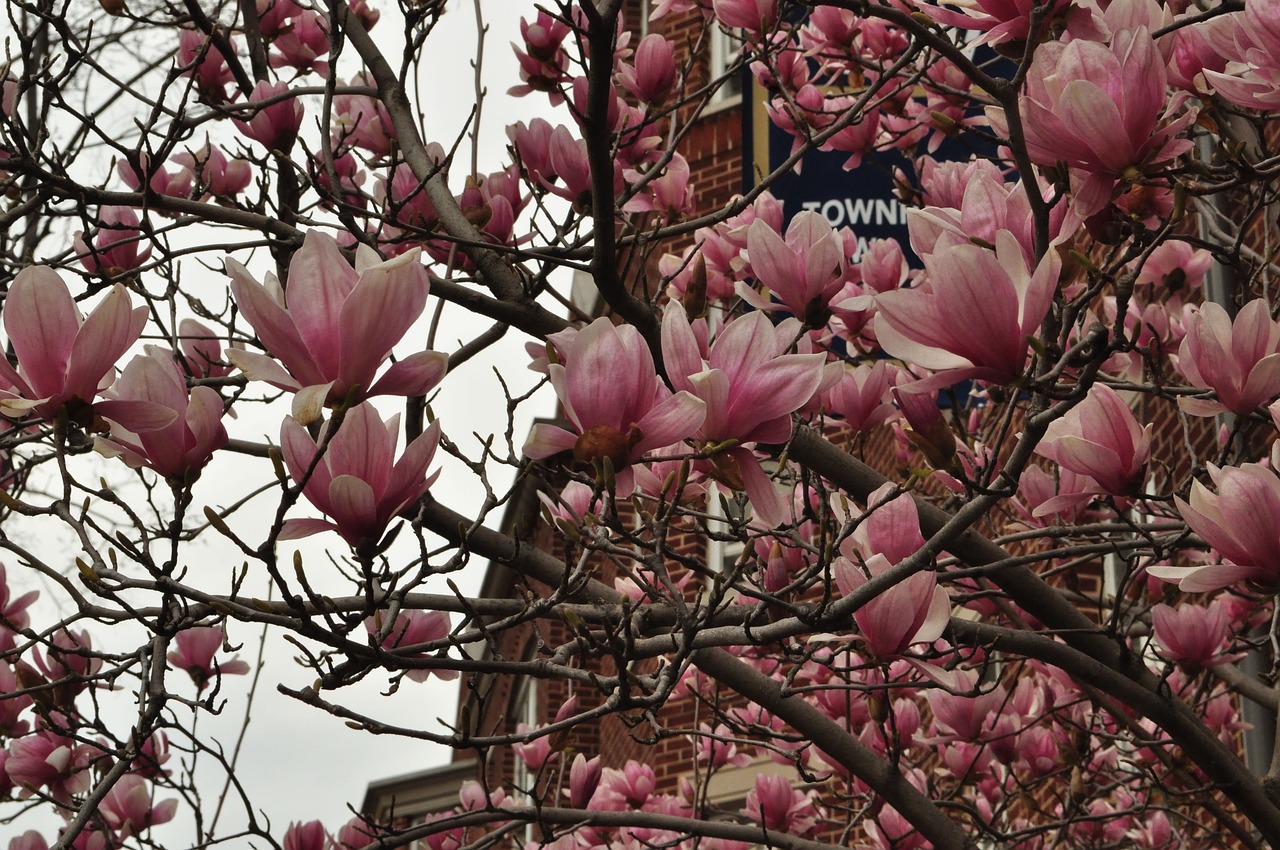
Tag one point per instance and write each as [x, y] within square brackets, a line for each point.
[354, 507]
[273, 325]
[42, 321]
[381, 309]
[409, 477]
[362, 449]
[415, 375]
[671, 421]
[296, 529]
[320, 280]
[259, 367]
[137, 416]
[547, 440]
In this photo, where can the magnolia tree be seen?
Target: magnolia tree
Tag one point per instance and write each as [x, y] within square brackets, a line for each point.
[1039, 622]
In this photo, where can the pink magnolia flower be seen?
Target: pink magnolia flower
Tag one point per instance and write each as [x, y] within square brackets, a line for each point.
[778, 807]
[13, 611]
[307, 836]
[757, 17]
[617, 406]
[12, 704]
[46, 761]
[275, 116]
[1239, 521]
[411, 628]
[1196, 636]
[173, 184]
[302, 44]
[652, 76]
[29, 840]
[803, 271]
[194, 652]
[1001, 20]
[669, 194]
[180, 449]
[357, 482]
[64, 358]
[336, 326]
[751, 386]
[1249, 39]
[862, 395]
[1100, 438]
[632, 786]
[218, 176]
[1174, 268]
[1101, 109]
[200, 58]
[119, 247]
[973, 317]
[356, 834]
[968, 713]
[201, 351]
[1239, 361]
[584, 778]
[543, 60]
[130, 809]
[152, 756]
[988, 205]
[362, 121]
[533, 753]
[912, 611]
[716, 749]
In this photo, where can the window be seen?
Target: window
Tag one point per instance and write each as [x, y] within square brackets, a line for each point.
[724, 49]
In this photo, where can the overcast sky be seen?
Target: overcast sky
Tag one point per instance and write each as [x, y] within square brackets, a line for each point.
[297, 764]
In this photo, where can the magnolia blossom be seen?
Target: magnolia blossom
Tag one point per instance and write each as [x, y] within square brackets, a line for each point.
[194, 651]
[616, 405]
[973, 318]
[306, 836]
[357, 481]
[584, 778]
[130, 808]
[1194, 635]
[276, 116]
[802, 270]
[751, 386]
[1239, 361]
[1239, 521]
[119, 246]
[64, 358]
[186, 444]
[778, 807]
[411, 628]
[915, 610]
[336, 326]
[1102, 109]
[1249, 39]
[652, 76]
[48, 762]
[862, 395]
[1100, 438]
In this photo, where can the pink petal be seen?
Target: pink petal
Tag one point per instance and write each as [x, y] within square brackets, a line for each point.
[362, 449]
[354, 508]
[415, 375]
[320, 280]
[259, 367]
[296, 529]
[274, 326]
[42, 321]
[669, 422]
[381, 309]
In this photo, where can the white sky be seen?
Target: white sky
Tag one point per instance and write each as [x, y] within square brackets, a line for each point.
[297, 764]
